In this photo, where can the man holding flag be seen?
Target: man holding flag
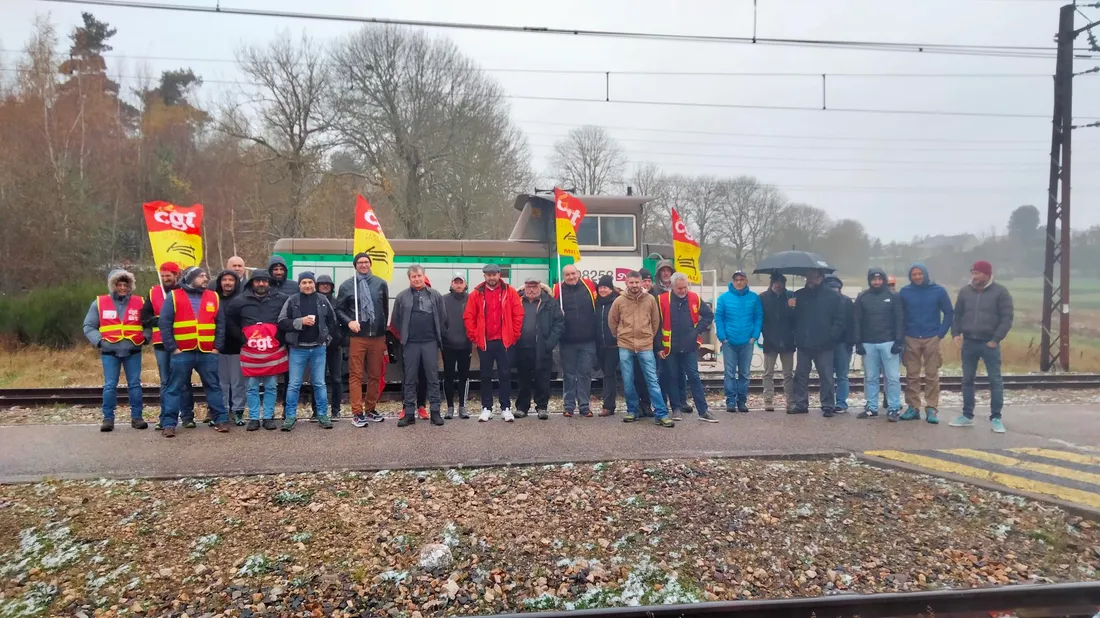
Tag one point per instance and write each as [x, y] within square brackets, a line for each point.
[363, 306]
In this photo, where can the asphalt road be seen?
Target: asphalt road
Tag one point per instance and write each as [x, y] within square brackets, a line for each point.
[34, 452]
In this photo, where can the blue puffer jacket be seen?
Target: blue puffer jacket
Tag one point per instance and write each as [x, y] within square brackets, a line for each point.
[928, 311]
[739, 316]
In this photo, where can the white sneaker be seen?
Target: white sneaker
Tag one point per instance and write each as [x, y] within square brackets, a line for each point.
[507, 415]
[486, 414]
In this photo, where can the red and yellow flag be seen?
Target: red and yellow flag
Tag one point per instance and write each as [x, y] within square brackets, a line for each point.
[370, 239]
[685, 250]
[569, 212]
[175, 232]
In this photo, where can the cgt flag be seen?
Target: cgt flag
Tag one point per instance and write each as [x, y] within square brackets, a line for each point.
[569, 212]
[685, 249]
[175, 232]
[370, 239]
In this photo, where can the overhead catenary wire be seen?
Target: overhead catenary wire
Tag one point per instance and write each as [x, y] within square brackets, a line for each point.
[931, 48]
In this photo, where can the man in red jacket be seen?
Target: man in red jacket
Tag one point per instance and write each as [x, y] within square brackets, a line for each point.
[494, 319]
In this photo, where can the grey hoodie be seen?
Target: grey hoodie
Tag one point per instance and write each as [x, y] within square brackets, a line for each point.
[658, 287]
[287, 286]
[124, 347]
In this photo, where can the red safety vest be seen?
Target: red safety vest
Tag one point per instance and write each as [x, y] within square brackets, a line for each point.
[587, 283]
[156, 297]
[191, 331]
[665, 303]
[262, 354]
[114, 327]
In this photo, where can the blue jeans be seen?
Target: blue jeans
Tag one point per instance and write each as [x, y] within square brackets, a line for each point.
[737, 363]
[300, 358]
[972, 352]
[684, 366]
[648, 363]
[112, 367]
[842, 362]
[187, 403]
[879, 360]
[269, 384]
[179, 382]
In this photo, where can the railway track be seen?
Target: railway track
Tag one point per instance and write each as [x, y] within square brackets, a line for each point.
[1032, 601]
[92, 396]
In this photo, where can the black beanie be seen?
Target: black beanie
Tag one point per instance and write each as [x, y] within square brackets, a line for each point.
[644, 272]
[606, 281]
[777, 276]
[361, 255]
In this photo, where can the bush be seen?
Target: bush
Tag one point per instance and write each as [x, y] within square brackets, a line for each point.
[50, 317]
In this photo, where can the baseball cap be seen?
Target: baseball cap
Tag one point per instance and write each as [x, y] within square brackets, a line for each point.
[491, 268]
[737, 273]
[459, 277]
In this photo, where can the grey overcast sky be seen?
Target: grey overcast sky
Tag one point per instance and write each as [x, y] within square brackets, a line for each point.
[905, 175]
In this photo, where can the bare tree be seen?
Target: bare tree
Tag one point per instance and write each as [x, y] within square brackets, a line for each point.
[431, 131]
[800, 226]
[286, 115]
[588, 160]
[647, 180]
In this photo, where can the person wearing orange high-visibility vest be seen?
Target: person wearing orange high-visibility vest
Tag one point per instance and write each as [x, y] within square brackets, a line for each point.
[192, 330]
[169, 280]
[684, 319]
[113, 325]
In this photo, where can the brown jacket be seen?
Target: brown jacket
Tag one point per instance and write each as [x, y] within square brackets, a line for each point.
[634, 320]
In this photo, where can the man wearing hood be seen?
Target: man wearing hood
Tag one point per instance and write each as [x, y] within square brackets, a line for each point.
[928, 316]
[113, 325]
[307, 321]
[607, 347]
[543, 325]
[193, 329]
[818, 327]
[983, 317]
[635, 320]
[456, 349]
[169, 280]
[253, 318]
[880, 339]
[363, 307]
[777, 333]
[234, 386]
[738, 320]
[334, 361]
[280, 277]
[842, 356]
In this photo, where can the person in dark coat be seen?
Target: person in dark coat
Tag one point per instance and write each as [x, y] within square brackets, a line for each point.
[419, 320]
[543, 325]
[257, 309]
[363, 306]
[307, 320]
[983, 316]
[607, 347]
[818, 327]
[577, 300]
[880, 339]
[777, 334]
[842, 358]
[334, 358]
[456, 349]
[688, 320]
[234, 386]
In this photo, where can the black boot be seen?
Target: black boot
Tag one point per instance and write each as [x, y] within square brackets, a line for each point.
[407, 418]
[437, 419]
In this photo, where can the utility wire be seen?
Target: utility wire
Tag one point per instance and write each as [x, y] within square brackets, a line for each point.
[954, 49]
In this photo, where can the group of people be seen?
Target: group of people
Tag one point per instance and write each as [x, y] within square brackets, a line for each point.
[257, 338]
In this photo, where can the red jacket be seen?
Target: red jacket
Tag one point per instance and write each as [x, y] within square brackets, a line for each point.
[511, 315]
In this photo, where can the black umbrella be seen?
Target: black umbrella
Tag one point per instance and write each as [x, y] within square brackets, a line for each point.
[793, 263]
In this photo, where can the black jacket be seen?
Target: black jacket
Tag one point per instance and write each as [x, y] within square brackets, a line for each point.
[455, 337]
[879, 314]
[402, 314]
[778, 331]
[685, 334]
[604, 337]
[550, 324]
[290, 320]
[580, 313]
[345, 306]
[248, 309]
[340, 335]
[232, 344]
[818, 318]
[848, 313]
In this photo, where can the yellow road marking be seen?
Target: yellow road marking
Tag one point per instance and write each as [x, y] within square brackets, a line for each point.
[1090, 460]
[1012, 462]
[1086, 498]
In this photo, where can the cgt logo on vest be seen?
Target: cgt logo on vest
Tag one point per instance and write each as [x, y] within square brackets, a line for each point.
[182, 221]
[133, 315]
[261, 342]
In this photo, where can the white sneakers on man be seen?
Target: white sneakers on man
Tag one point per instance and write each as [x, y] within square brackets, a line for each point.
[507, 415]
[486, 415]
